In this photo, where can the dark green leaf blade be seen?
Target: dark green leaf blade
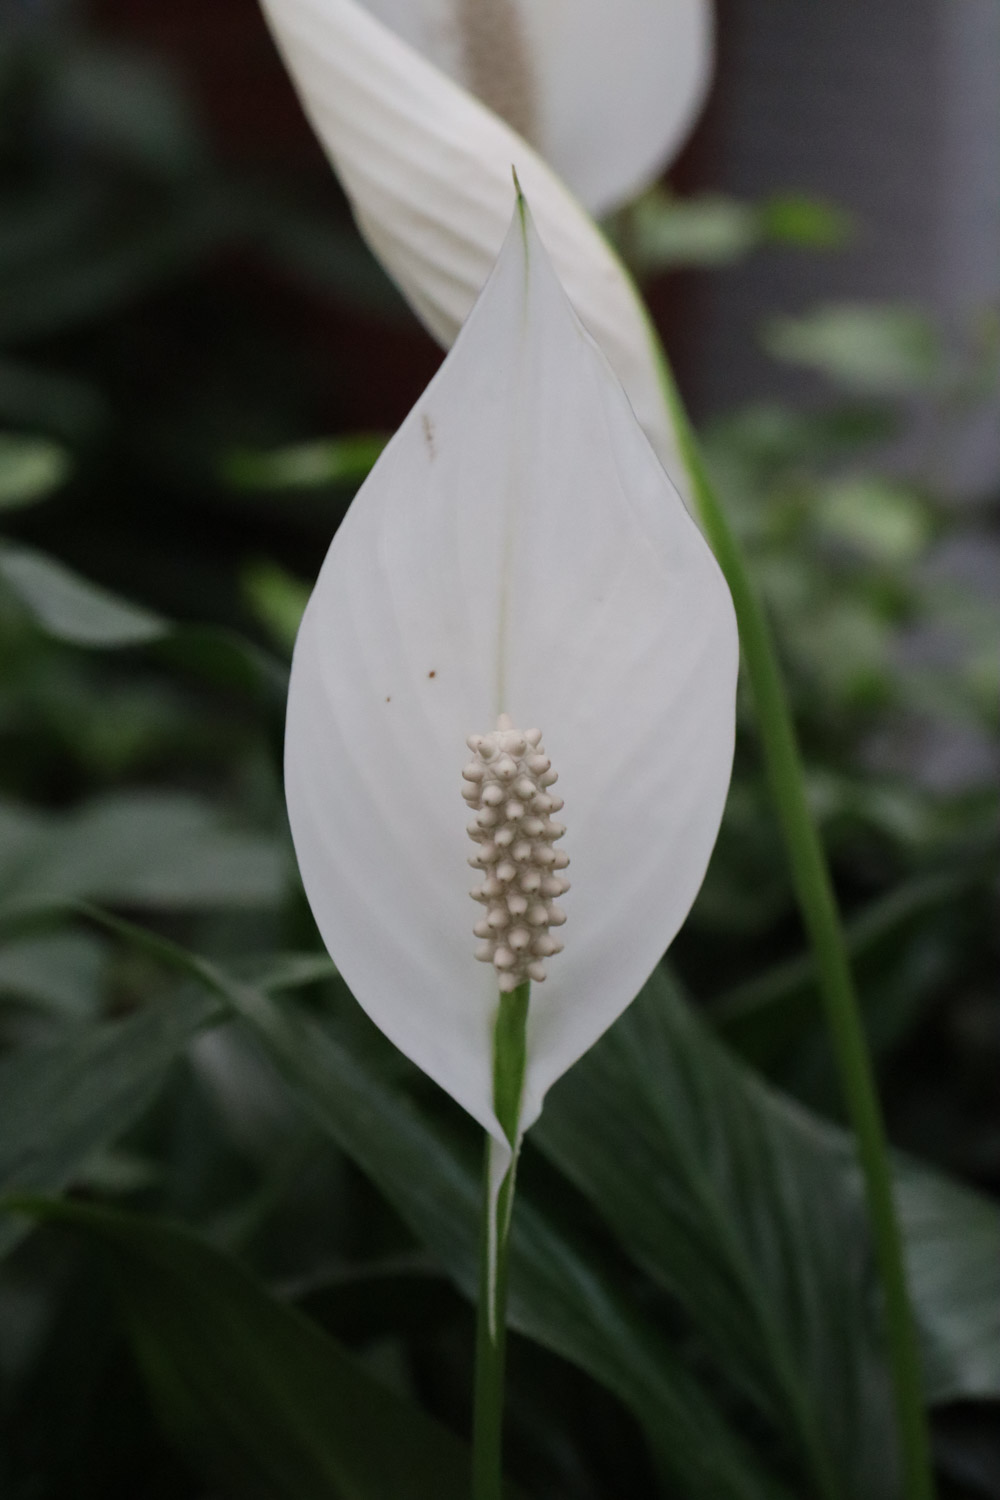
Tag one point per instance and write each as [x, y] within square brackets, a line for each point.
[351, 1080]
[61, 1102]
[261, 1399]
[345, 1075]
[716, 1188]
[953, 1241]
[750, 1211]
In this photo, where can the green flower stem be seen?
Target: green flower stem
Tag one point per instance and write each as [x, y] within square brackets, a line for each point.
[821, 918]
[509, 1056]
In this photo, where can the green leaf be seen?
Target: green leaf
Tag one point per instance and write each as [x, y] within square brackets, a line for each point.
[264, 1402]
[804, 222]
[60, 972]
[727, 1197]
[30, 469]
[878, 517]
[355, 1086]
[898, 950]
[710, 230]
[71, 609]
[749, 1211]
[154, 849]
[277, 599]
[878, 350]
[953, 1241]
[344, 460]
[348, 1077]
[62, 1102]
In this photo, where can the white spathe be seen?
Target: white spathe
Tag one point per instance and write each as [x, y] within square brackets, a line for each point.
[427, 168]
[606, 90]
[517, 548]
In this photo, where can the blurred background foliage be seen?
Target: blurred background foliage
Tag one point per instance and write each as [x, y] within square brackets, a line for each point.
[258, 1280]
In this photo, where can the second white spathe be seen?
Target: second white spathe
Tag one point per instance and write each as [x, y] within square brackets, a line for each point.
[606, 90]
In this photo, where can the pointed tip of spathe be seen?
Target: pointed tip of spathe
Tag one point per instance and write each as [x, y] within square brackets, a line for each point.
[521, 209]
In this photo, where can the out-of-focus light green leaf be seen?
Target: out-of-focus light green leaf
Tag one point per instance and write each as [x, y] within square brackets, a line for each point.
[807, 223]
[878, 349]
[30, 469]
[153, 849]
[277, 599]
[71, 608]
[267, 1405]
[709, 230]
[661, 231]
[881, 518]
[345, 460]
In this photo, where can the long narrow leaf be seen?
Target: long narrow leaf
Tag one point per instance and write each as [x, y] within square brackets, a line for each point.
[729, 1198]
[749, 1210]
[61, 1102]
[348, 1077]
[265, 1403]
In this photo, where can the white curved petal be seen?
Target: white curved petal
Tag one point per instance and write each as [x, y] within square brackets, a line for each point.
[428, 171]
[606, 90]
[517, 548]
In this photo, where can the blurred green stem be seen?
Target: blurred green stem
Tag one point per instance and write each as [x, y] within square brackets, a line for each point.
[818, 905]
[509, 1052]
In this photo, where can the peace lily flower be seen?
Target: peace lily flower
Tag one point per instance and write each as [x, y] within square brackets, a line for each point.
[606, 90]
[518, 590]
[427, 169]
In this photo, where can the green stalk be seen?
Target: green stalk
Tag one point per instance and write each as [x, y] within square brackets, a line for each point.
[509, 1055]
[818, 905]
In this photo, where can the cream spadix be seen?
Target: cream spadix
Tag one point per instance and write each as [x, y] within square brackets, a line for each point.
[427, 168]
[606, 90]
[516, 550]
[507, 784]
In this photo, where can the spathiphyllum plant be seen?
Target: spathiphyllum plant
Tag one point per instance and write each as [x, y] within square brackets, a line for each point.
[426, 164]
[516, 619]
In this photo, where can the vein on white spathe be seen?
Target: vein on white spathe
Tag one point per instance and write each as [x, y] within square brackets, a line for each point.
[517, 548]
[427, 169]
